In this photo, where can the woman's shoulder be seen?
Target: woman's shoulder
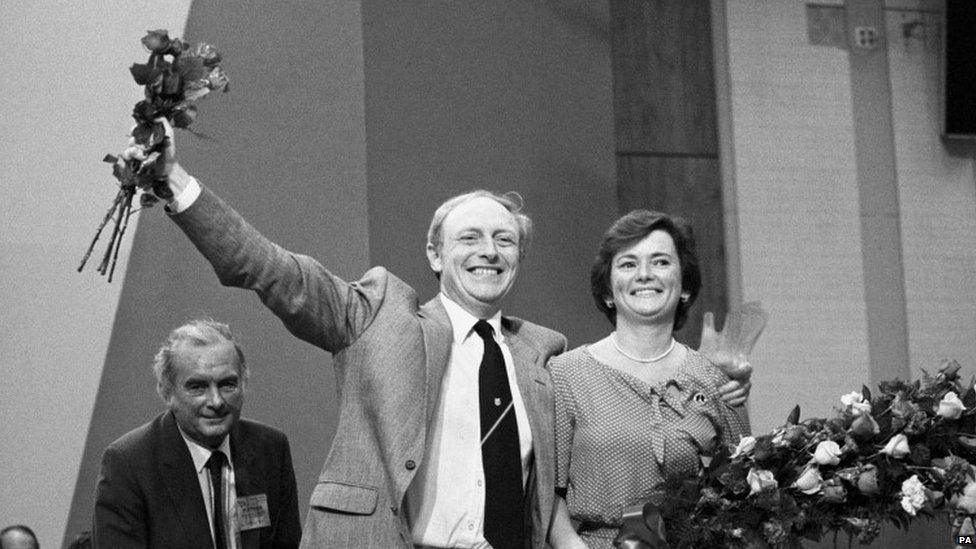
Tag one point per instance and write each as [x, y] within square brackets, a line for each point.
[573, 356]
[572, 360]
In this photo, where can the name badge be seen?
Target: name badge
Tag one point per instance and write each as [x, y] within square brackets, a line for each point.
[252, 512]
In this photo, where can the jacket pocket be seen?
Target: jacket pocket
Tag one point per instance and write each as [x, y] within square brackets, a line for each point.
[346, 498]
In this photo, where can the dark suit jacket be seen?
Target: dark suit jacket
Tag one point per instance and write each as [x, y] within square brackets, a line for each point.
[148, 494]
[390, 354]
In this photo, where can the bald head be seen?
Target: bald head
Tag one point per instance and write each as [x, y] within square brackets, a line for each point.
[18, 537]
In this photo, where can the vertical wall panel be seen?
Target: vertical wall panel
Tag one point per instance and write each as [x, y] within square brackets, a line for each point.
[667, 141]
[664, 86]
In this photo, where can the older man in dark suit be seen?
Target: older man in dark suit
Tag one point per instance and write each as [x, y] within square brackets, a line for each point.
[198, 476]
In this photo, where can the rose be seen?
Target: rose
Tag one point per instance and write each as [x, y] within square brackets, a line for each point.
[833, 491]
[775, 533]
[865, 426]
[851, 398]
[809, 482]
[759, 480]
[763, 449]
[788, 435]
[867, 481]
[949, 369]
[157, 41]
[746, 445]
[967, 500]
[903, 409]
[951, 407]
[918, 423]
[827, 453]
[855, 401]
[912, 495]
[206, 52]
[859, 408]
[897, 446]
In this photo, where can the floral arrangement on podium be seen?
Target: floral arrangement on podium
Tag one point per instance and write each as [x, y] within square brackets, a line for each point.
[176, 76]
[886, 457]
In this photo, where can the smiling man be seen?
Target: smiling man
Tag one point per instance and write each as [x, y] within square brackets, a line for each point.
[445, 411]
[198, 476]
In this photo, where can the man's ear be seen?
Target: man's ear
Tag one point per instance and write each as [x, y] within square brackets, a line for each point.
[163, 391]
[434, 258]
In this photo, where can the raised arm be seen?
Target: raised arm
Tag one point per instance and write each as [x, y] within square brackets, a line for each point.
[314, 304]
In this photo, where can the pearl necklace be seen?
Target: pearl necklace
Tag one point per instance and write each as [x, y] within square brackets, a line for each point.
[613, 340]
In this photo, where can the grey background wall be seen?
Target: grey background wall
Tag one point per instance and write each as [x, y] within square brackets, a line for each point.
[348, 122]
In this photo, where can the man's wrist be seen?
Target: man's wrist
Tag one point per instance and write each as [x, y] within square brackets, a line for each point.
[178, 180]
[186, 189]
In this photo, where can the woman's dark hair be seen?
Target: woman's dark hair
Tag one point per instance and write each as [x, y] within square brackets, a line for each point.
[631, 229]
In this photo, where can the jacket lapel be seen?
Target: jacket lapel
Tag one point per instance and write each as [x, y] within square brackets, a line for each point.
[180, 479]
[436, 327]
[533, 384]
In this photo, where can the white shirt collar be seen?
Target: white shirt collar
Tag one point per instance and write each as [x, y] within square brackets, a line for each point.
[201, 454]
[462, 322]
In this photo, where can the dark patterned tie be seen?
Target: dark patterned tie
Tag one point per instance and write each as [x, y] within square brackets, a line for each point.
[216, 465]
[500, 454]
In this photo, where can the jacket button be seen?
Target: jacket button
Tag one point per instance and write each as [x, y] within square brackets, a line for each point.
[410, 465]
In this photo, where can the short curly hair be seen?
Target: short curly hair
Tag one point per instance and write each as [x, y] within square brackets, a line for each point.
[628, 231]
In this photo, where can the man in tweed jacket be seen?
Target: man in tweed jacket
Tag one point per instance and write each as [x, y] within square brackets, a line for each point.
[402, 471]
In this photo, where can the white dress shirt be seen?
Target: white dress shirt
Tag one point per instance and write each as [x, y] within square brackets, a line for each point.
[446, 500]
[200, 455]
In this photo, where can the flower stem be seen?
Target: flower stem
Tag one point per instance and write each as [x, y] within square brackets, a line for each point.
[117, 218]
[127, 207]
[98, 232]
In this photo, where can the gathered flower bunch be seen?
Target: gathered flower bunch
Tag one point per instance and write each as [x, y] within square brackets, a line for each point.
[886, 458]
[176, 75]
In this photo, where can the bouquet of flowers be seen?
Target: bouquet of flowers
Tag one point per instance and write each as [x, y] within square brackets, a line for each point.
[904, 452]
[174, 78]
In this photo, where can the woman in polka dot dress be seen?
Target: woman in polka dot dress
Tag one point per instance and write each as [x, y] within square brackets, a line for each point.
[636, 407]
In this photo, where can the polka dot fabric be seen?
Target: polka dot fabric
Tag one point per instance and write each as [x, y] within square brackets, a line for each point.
[618, 437]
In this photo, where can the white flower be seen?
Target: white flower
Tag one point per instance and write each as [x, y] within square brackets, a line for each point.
[851, 398]
[827, 453]
[951, 407]
[912, 495]
[809, 482]
[759, 480]
[897, 446]
[746, 445]
[967, 500]
[855, 401]
[859, 408]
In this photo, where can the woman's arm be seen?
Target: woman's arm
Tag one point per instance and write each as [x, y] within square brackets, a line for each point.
[562, 534]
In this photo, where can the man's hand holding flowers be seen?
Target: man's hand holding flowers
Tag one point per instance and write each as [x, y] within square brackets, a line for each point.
[174, 78]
